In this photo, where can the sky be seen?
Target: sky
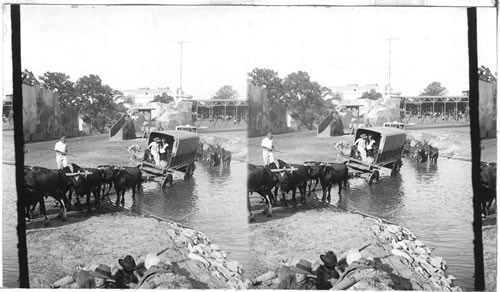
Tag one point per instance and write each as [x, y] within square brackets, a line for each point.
[137, 46]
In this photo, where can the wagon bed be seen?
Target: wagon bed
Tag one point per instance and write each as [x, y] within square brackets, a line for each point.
[182, 151]
[387, 154]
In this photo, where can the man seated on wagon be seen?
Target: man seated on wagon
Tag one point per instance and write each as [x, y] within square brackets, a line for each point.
[164, 152]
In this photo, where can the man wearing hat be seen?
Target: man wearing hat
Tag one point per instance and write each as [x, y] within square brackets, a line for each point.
[102, 276]
[163, 152]
[154, 147]
[325, 273]
[361, 143]
[299, 281]
[125, 277]
[267, 149]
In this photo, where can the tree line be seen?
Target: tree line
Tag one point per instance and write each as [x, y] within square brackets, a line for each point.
[88, 96]
[305, 99]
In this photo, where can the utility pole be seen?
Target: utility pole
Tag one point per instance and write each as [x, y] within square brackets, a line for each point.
[181, 43]
[390, 39]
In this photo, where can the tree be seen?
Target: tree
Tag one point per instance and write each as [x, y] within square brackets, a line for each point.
[28, 78]
[304, 99]
[269, 80]
[98, 107]
[328, 94]
[226, 92]
[434, 89]
[164, 98]
[372, 94]
[60, 83]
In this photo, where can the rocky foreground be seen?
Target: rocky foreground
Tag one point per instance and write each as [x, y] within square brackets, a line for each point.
[58, 252]
[405, 262]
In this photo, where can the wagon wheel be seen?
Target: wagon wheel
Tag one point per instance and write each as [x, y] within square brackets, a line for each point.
[189, 171]
[168, 179]
[374, 176]
[396, 166]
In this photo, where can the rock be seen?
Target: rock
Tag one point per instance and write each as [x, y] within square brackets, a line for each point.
[171, 233]
[420, 251]
[419, 243]
[188, 233]
[392, 228]
[400, 253]
[451, 278]
[220, 261]
[233, 266]
[375, 229]
[197, 257]
[401, 245]
[216, 255]
[385, 236]
[444, 264]
[214, 247]
[436, 262]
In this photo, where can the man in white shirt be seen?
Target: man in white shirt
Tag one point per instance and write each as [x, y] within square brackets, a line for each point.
[61, 151]
[267, 149]
[154, 147]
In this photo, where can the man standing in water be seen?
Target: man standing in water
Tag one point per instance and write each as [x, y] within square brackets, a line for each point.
[267, 149]
[61, 151]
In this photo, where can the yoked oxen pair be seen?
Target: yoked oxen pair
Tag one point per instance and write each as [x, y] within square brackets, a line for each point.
[124, 178]
[331, 174]
[328, 174]
[40, 182]
[488, 186]
[84, 182]
[292, 177]
[260, 180]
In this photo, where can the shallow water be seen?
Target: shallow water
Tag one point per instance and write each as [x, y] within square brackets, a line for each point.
[434, 202]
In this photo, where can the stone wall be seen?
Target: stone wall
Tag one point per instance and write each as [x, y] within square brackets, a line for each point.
[264, 117]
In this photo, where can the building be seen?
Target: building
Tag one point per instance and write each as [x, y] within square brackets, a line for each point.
[351, 92]
[145, 94]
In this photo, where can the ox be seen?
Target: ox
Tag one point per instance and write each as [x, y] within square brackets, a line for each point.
[260, 180]
[488, 186]
[214, 159]
[433, 154]
[106, 178]
[293, 176]
[313, 174]
[40, 182]
[331, 174]
[86, 183]
[124, 178]
[226, 157]
[277, 164]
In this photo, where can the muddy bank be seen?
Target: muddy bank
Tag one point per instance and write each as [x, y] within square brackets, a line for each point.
[57, 252]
